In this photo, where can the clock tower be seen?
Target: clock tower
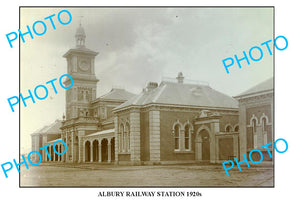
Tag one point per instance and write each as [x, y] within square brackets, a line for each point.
[81, 67]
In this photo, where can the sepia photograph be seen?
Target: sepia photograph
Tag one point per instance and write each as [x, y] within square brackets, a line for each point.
[141, 97]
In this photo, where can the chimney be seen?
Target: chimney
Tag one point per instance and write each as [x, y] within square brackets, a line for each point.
[151, 86]
[180, 78]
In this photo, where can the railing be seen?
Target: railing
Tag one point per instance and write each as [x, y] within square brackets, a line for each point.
[88, 119]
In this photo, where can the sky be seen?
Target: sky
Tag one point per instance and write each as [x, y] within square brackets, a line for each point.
[139, 45]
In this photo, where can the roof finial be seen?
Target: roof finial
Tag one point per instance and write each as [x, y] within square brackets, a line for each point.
[180, 78]
[80, 20]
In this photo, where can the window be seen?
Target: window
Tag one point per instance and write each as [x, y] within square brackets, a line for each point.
[254, 125]
[264, 124]
[187, 137]
[263, 121]
[236, 129]
[103, 112]
[228, 128]
[176, 136]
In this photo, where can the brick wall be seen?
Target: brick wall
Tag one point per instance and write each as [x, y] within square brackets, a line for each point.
[167, 119]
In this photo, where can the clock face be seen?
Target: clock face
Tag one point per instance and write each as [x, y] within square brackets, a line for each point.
[84, 65]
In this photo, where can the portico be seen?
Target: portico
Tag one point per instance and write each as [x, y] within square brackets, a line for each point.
[98, 147]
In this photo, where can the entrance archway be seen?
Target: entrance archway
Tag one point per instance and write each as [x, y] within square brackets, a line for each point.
[104, 151]
[95, 151]
[87, 151]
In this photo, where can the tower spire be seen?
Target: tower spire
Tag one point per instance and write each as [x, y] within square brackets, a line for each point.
[80, 36]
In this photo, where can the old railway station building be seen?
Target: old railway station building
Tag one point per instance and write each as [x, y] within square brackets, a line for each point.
[170, 122]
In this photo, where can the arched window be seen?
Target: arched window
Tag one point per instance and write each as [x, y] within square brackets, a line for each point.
[236, 129]
[176, 136]
[228, 128]
[187, 137]
[264, 124]
[254, 125]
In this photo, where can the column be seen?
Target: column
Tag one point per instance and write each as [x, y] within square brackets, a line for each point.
[236, 145]
[81, 146]
[60, 150]
[135, 139]
[53, 153]
[91, 147]
[44, 142]
[109, 150]
[68, 145]
[99, 150]
[50, 152]
[116, 138]
[154, 135]
[72, 146]
[212, 138]
[217, 149]
[63, 156]
[63, 137]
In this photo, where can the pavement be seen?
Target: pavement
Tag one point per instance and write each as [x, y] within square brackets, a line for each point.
[99, 175]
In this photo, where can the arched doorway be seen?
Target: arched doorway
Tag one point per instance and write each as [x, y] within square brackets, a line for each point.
[95, 151]
[205, 140]
[104, 151]
[87, 151]
[112, 149]
[52, 154]
[59, 157]
[48, 158]
[56, 155]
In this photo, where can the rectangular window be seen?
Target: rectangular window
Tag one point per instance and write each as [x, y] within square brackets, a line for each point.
[176, 143]
[187, 137]
[176, 137]
[186, 143]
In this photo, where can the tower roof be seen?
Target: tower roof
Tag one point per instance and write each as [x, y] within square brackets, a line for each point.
[80, 31]
[80, 44]
[80, 37]
[115, 94]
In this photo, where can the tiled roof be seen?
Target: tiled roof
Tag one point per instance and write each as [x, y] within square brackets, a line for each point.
[262, 87]
[118, 94]
[182, 94]
[53, 128]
